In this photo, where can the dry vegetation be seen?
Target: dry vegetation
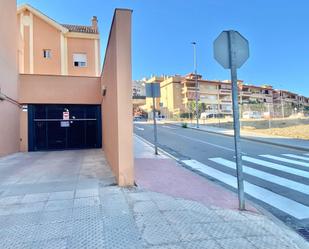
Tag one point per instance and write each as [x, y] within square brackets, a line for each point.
[294, 128]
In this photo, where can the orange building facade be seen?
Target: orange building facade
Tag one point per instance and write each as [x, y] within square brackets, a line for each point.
[54, 94]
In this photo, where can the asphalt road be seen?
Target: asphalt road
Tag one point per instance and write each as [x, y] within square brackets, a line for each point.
[276, 178]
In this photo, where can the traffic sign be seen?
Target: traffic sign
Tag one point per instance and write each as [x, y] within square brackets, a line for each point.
[153, 90]
[66, 115]
[231, 40]
[231, 50]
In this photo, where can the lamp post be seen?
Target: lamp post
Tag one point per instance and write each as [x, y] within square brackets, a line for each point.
[196, 84]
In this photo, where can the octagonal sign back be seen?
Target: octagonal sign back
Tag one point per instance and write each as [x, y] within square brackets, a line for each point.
[236, 42]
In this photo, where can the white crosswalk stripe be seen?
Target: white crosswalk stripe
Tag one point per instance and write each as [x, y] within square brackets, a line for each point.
[297, 157]
[281, 159]
[291, 207]
[276, 166]
[265, 176]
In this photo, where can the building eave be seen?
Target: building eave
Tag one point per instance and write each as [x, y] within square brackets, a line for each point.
[39, 14]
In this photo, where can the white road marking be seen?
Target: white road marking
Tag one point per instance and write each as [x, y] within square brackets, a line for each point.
[293, 208]
[276, 166]
[303, 188]
[286, 160]
[168, 127]
[139, 128]
[201, 141]
[297, 157]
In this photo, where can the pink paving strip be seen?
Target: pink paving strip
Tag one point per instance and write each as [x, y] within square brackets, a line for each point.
[168, 177]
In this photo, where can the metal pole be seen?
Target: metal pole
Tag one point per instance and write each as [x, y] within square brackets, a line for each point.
[282, 106]
[154, 124]
[269, 121]
[196, 85]
[240, 180]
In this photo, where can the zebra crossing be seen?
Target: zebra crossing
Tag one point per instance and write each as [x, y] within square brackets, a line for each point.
[267, 168]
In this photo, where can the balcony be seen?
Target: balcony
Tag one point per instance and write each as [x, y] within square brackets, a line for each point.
[225, 101]
[225, 91]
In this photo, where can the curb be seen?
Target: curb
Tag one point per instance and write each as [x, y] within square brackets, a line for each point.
[263, 211]
[249, 138]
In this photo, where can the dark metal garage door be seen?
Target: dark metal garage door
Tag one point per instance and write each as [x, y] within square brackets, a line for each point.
[61, 127]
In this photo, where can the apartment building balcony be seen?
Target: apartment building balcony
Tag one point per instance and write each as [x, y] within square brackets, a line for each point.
[225, 91]
[225, 101]
[187, 89]
[241, 93]
[226, 111]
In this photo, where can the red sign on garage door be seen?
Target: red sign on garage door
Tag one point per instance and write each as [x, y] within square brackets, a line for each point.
[66, 115]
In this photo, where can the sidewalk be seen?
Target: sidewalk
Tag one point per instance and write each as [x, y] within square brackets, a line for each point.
[211, 218]
[269, 139]
[68, 200]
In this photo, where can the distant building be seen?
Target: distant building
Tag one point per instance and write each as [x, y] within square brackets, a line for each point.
[138, 92]
[178, 93]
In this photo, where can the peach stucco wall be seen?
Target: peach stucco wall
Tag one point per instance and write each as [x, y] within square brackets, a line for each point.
[83, 46]
[117, 104]
[46, 36]
[62, 45]
[9, 112]
[57, 89]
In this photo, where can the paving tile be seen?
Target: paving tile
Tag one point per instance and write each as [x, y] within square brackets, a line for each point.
[144, 207]
[11, 200]
[23, 219]
[50, 244]
[150, 219]
[143, 196]
[165, 205]
[58, 205]
[28, 208]
[86, 192]
[201, 244]
[86, 212]
[248, 228]
[221, 230]
[169, 246]
[181, 216]
[230, 215]
[86, 201]
[50, 231]
[159, 234]
[87, 233]
[64, 215]
[63, 195]
[268, 242]
[239, 243]
[30, 198]
[191, 232]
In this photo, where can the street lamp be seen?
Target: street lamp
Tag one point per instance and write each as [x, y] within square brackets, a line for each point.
[196, 84]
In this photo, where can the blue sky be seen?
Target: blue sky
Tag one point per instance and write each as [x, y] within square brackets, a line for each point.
[163, 30]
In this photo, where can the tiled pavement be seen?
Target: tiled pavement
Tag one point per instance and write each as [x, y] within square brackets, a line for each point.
[67, 200]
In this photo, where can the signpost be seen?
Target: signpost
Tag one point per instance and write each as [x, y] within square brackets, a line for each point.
[231, 50]
[153, 91]
[66, 115]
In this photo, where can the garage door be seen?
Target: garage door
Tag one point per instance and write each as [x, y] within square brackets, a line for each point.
[61, 127]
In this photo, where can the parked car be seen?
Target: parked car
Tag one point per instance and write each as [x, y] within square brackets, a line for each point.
[252, 115]
[139, 118]
[160, 117]
[205, 115]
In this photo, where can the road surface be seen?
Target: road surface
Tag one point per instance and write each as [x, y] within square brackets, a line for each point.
[276, 178]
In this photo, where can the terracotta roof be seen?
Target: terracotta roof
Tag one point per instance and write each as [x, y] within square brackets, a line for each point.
[81, 28]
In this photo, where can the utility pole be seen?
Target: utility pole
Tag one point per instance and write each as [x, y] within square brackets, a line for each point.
[154, 123]
[196, 85]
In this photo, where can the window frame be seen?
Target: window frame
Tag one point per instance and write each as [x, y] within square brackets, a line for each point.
[80, 63]
[47, 52]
